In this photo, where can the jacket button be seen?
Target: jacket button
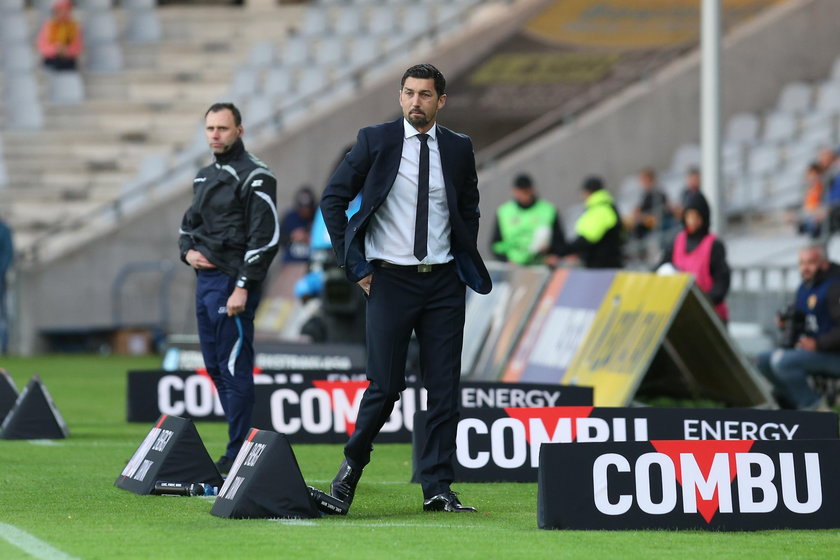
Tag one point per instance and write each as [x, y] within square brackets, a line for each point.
[355, 228]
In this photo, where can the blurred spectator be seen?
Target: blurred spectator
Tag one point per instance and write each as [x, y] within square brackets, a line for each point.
[528, 229]
[600, 234]
[810, 342]
[813, 210]
[691, 190]
[6, 258]
[296, 225]
[653, 211]
[696, 251]
[60, 38]
[830, 167]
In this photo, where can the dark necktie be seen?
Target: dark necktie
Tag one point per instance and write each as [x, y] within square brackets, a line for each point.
[421, 224]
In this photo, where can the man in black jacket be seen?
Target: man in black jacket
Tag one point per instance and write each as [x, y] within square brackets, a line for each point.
[229, 235]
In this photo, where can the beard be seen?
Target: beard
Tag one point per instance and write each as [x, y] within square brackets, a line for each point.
[418, 119]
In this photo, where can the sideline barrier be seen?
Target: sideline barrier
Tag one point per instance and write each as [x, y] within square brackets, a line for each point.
[171, 451]
[320, 407]
[732, 485]
[611, 330]
[504, 444]
[277, 356]
[34, 415]
[8, 395]
[265, 481]
[494, 321]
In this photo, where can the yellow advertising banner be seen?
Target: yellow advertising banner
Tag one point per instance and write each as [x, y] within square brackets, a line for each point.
[633, 24]
[628, 329]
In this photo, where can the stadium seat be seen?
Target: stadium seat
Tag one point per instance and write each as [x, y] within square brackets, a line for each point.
[828, 97]
[138, 4]
[316, 22]
[311, 80]
[381, 20]
[11, 6]
[143, 26]
[795, 98]
[819, 128]
[295, 51]
[99, 26]
[330, 51]
[742, 127]
[21, 93]
[763, 159]
[799, 153]
[279, 80]
[65, 88]
[779, 126]
[104, 58]
[94, 4]
[260, 110]
[349, 21]
[363, 50]
[262, 54]
[686, 156]
[732, 157]
[415, 18]
[14, 29]
[43, 6]
[245, 82]
[18, 58]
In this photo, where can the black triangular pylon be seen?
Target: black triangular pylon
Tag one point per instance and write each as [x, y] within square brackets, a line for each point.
[34, 415]
[172, 452]
[265, 482]
[8, 394]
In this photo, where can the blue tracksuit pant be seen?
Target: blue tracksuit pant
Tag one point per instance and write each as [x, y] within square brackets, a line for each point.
[227, 344]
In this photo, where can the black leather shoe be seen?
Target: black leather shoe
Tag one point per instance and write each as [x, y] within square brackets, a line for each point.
[224, 464]
[447, 501]
[344, 484]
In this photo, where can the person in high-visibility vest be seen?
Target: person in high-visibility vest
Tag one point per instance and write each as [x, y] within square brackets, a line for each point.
[600, 233]
[528, 229]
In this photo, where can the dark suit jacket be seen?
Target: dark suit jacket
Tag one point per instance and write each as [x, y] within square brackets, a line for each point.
[371, 167]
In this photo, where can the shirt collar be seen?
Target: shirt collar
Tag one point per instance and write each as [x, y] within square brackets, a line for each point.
[411, 131]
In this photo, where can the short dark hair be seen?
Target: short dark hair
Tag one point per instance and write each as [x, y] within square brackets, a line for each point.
[425, 72]
[523, 181]
[592, 184]
[216, 107]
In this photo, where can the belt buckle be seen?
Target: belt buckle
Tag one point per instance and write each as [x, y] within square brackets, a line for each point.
[424, 267]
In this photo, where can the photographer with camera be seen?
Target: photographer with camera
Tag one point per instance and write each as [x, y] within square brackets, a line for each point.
[810, 341]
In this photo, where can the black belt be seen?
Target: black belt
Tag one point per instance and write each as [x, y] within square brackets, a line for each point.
[411, 267]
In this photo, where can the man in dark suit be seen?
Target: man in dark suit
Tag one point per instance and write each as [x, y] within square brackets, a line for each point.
[412, 249]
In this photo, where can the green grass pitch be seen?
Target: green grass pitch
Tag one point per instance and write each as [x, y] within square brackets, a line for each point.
[62, 494]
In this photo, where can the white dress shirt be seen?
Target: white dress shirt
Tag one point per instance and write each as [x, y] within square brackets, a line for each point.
[390, 233]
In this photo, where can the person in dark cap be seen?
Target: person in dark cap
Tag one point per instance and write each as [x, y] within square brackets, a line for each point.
[600, 234]
[296, 225]
[528, 229]
[697, 251]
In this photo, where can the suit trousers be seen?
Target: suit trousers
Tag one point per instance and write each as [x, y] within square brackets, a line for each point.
[432, 304]
[227, 346]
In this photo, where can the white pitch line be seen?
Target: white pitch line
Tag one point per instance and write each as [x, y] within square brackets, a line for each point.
[372, 482]
[32, 546]
[309, 523]
[45, 442]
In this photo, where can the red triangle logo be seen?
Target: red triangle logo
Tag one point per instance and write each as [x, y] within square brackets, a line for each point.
[704, 452]
[350, 390]
[550, 417]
